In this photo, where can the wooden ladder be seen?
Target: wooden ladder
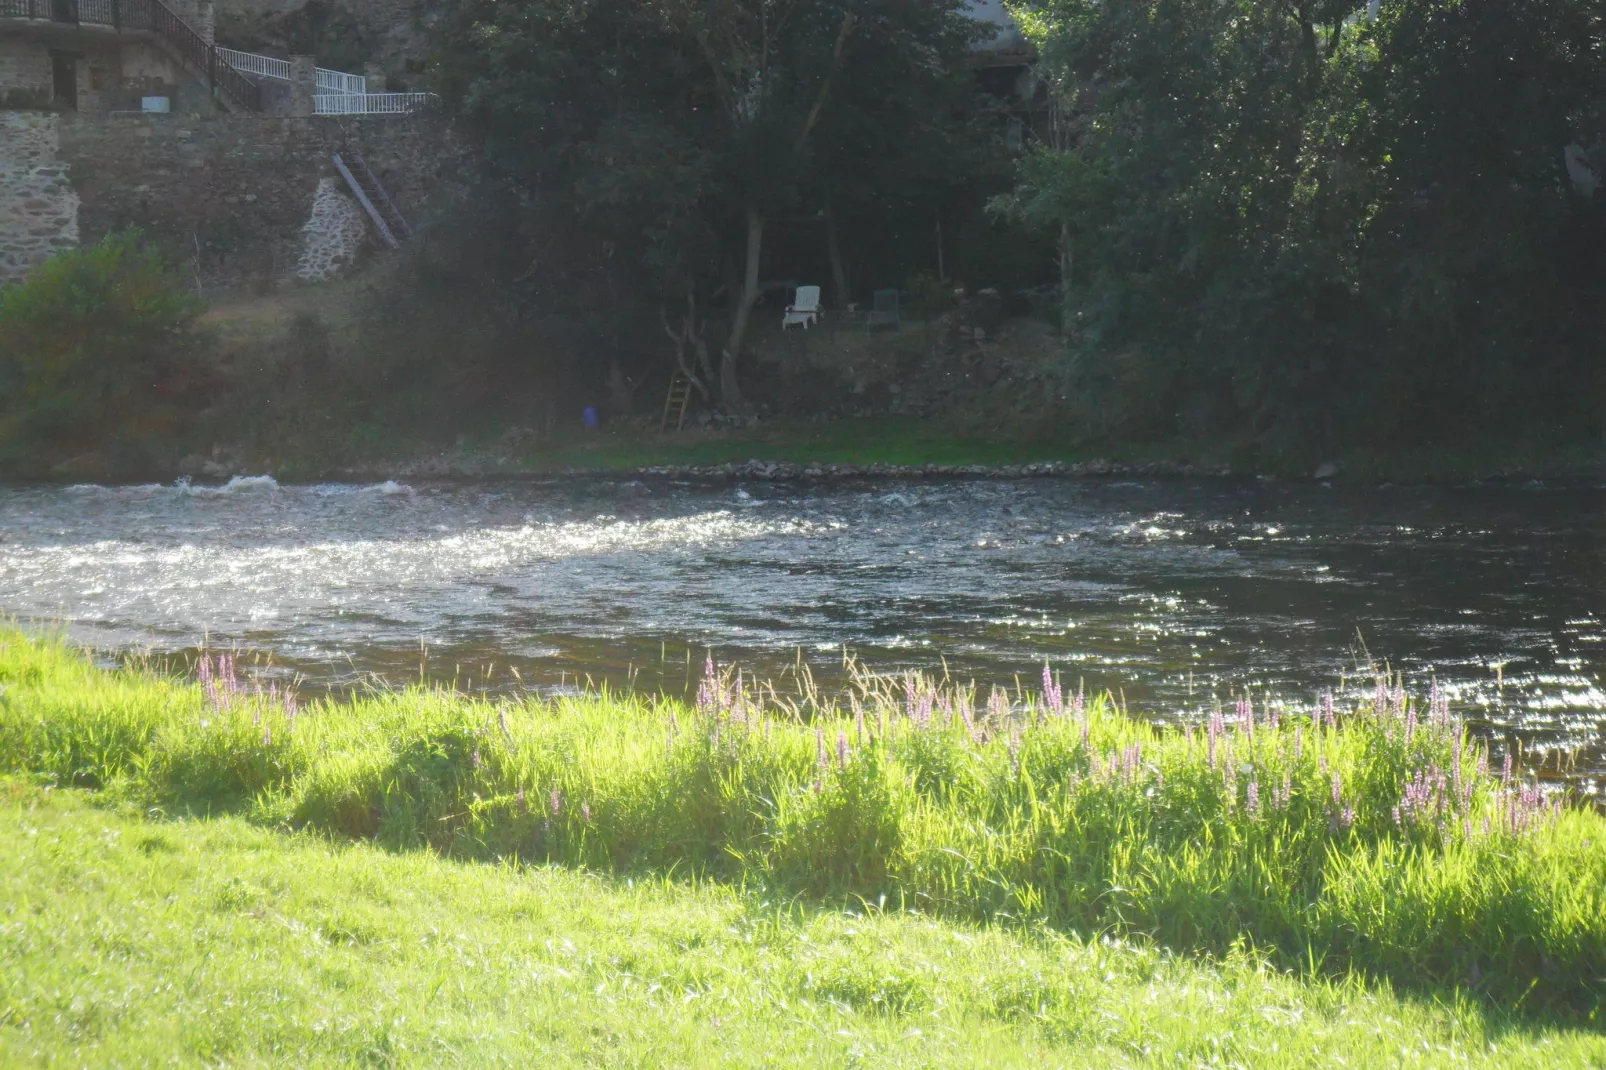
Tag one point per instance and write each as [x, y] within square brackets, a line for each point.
[370, 193]
[675, 403]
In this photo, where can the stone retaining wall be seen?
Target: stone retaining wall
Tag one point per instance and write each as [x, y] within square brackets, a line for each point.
[38, 205]
[24, 72]
[234, 194]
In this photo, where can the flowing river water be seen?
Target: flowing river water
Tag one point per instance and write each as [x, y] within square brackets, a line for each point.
[1175, 593]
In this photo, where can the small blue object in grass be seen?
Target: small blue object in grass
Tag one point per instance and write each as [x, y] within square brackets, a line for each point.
[592, 418]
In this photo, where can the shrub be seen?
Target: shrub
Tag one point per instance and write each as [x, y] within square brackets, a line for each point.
[90, 347]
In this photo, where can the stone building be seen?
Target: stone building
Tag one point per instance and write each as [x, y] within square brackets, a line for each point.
[102, 56]
[244, 167]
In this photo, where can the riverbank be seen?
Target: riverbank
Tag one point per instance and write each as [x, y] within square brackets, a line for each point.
[889, 448]
[284, 384]
[1370, 841]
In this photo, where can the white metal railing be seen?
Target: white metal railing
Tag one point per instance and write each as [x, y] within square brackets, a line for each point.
[251, 63]
[339, 82]
[371, 103]
[279, 69]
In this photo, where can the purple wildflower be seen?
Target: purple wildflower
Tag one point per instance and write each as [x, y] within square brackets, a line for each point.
[962, 700]
[998, 706]
[708, 692]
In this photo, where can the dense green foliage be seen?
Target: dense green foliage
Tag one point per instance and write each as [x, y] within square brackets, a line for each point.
[93, 347]
[1369, 839]
[662, 154]
[1294, 221]
[128, 941]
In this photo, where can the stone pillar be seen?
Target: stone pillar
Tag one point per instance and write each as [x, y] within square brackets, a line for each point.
[303, 84]
[374, 77]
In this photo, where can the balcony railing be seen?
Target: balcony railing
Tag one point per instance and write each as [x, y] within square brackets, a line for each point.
[151, 16]
[251, 63]
[279, 70]
[371, 103]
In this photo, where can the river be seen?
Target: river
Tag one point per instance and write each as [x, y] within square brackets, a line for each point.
[1176, 593]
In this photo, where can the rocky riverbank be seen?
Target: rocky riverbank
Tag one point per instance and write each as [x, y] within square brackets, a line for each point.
[783, 471]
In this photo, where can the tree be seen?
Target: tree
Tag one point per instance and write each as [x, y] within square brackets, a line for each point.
[1299, 224]
[666, 137]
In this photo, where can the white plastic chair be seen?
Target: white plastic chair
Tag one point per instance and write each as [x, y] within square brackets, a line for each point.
[804, 309]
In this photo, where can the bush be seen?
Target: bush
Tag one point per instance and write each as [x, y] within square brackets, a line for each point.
[91, 346]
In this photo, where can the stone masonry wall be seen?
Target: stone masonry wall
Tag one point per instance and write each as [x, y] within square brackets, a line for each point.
[38, 206]
[333, 235]
[235, 193]
[24, 72]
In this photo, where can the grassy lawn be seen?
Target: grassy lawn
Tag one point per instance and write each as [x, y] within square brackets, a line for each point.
[892, 440]
[131, 941]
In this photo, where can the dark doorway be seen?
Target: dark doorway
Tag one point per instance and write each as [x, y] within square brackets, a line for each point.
[64, 79]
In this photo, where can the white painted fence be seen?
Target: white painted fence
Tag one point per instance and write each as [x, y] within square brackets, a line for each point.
[337, 82]
[371, 103]
[279, 69]
[251, 63]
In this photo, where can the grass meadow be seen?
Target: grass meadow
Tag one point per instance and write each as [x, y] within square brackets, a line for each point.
[911, 872]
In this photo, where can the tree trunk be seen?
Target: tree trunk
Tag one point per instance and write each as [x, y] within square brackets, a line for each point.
[839, 270]
[1066, 265]
[730, 392]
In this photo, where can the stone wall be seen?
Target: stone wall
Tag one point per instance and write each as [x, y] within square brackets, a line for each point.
[334, 234]
[234, 194]
[113, 72]
[38, 206]
[24, 72]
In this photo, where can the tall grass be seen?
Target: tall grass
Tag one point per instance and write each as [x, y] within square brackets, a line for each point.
[1371, 838]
